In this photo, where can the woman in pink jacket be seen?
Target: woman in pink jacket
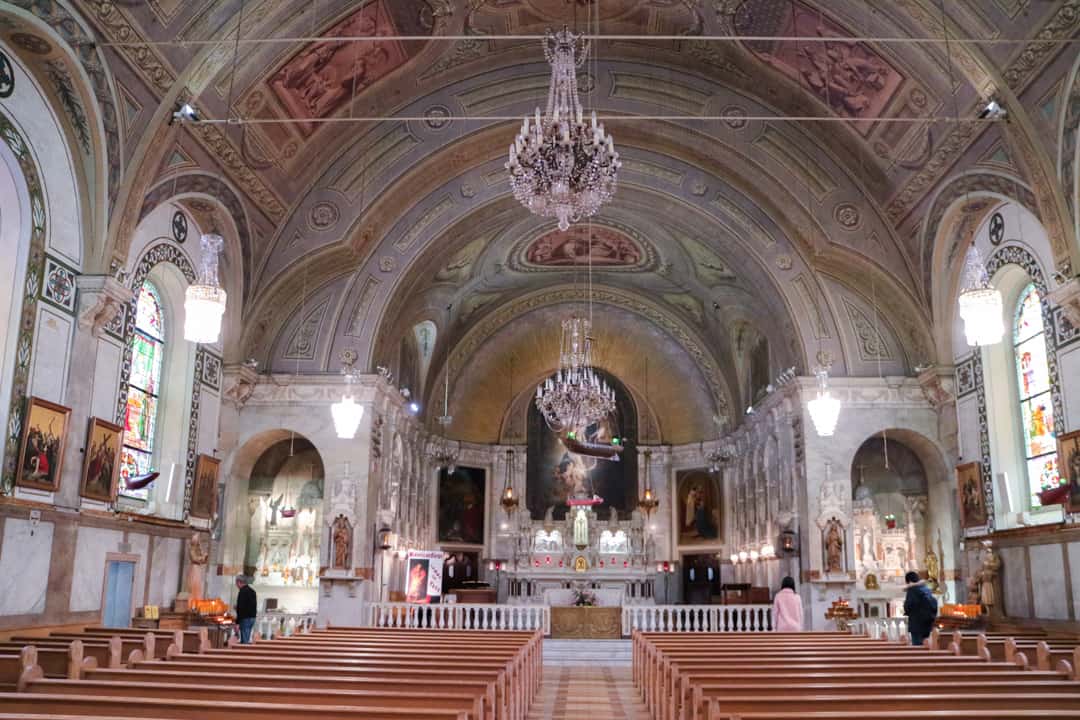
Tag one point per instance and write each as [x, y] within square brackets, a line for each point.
[787, 608]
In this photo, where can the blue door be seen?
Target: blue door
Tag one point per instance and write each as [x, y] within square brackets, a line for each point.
[118, 585]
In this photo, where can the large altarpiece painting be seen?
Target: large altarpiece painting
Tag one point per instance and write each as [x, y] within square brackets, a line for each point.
[554, 474]
[461, 505]
[699, 507]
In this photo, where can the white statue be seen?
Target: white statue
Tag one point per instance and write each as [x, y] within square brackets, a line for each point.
[581, 529]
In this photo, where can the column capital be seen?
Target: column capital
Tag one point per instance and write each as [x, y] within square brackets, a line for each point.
[1067, 296]
[101, 297]
[938, 383]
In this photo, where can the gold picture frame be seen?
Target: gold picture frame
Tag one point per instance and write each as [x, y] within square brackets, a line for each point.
[204, 487]
[970, 496]
[101, 461]
[1068, 452]
[41, 450]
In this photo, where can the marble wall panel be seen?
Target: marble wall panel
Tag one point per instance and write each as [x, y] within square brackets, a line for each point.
[1074, 573]
[106, 379]
[91, 547]
[26, 554]
[1069, 372]
[1014, 581]
[1048, 582]
[48, 370]
[140, 545]
[164, 571]
[967, 410]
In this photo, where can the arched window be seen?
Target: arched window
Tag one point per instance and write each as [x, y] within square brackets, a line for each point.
[144, 388]
[1033, 385]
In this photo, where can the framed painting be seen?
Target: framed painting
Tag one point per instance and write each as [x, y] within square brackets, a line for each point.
[101, 462]
[204, 491]
[698, 506]
[972, 500]
[1068, 447]
[41, 452]
[461, 505]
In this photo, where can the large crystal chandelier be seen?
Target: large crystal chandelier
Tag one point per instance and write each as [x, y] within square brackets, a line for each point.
[560, 165]
[204, 301]
[824, 409]
[575, 396]
[980, 303]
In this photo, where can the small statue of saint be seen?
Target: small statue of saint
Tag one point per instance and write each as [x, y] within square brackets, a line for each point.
[341, 539]
[197, 557]
[834, 548]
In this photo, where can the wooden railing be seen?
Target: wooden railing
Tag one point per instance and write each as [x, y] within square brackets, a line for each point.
[893, 629]
[460, 616]
[697, 618]
[271, 624]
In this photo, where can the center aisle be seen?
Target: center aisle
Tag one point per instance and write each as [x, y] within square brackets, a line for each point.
[587, 679]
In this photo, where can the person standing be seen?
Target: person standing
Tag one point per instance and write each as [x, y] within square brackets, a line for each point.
[920, 606]
[787, 608]
[247, 607]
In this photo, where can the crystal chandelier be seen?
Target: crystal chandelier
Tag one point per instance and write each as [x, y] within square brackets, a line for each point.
[575, 396]
[717, 458]
[824, 409]
[347, 413]
[980, 303]
[560, 166]
[204, 302]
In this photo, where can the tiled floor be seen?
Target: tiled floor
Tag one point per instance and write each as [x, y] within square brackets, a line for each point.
[598, 687]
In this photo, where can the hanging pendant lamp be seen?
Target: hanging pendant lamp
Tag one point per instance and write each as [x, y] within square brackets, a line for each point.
[204, 301]
[981, 307]
[347, 413]
[824, 409]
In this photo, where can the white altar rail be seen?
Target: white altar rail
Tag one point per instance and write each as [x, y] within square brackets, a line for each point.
[456, 616]
[893, 629]
[697, 618]
[270, 624]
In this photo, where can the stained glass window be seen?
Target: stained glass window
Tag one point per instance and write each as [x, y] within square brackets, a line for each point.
[1033, 383]
[144, 384]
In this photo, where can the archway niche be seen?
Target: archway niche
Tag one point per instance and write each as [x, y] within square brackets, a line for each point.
[903, 518]
[285, 531]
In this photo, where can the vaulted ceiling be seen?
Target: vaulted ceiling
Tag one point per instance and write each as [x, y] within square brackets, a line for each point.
[729, 221]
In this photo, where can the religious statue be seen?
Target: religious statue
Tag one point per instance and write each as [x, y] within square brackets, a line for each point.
[341, 542]
[197, 557]
[274, 505]
[933, 568]
[834, 548]
[613, 519]
[988, 576]
[581, 529]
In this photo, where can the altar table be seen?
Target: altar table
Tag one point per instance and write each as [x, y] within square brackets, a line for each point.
[594, 623]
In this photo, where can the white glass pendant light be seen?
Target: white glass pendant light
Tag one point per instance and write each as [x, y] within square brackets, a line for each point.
[204, 302]
[824, 409]
[347, 413]
[981, 307]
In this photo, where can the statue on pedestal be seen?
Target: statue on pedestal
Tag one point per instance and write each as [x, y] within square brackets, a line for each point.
[197, 557]
[834, 548]
[988, 577]
[341, 543]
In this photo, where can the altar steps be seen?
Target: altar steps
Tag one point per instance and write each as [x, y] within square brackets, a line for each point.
[607, 653]
[596, 691]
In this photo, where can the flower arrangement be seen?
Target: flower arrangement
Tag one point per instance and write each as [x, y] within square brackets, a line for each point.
[584, 598]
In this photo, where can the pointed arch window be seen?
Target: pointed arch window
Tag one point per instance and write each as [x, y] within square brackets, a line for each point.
[144, 388]
[1033, 384]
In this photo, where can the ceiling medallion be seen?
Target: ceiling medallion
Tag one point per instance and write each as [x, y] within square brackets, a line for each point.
[560, 166]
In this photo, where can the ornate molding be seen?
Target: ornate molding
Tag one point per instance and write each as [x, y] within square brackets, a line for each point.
[938, 384]
[101, 299]
[240, 381]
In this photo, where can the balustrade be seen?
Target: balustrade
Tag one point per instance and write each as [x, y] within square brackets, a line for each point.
[271, 624]
[893, 629]
[697, 618]
[460, 616]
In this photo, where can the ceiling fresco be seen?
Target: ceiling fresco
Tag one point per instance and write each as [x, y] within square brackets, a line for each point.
[351, 233]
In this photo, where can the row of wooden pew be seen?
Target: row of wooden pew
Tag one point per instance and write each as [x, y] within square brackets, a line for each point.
[783, 676]
[1027, 649]
[332, 674]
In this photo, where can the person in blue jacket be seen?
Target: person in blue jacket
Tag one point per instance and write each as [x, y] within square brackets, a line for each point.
[920, 606]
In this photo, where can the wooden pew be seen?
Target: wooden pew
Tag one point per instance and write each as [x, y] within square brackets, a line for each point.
[419, 699]
[914, 704]
[62, 662]
[127, 706]
[127, 649]
[187, 641]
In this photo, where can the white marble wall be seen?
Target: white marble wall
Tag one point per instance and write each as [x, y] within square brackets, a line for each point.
[1051, 598]
[25, 560]
[91, 547]
[165, 562]
[1014, 581]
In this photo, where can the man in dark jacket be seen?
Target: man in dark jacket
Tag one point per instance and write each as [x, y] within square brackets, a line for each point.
[920, 606]
[247, 607]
